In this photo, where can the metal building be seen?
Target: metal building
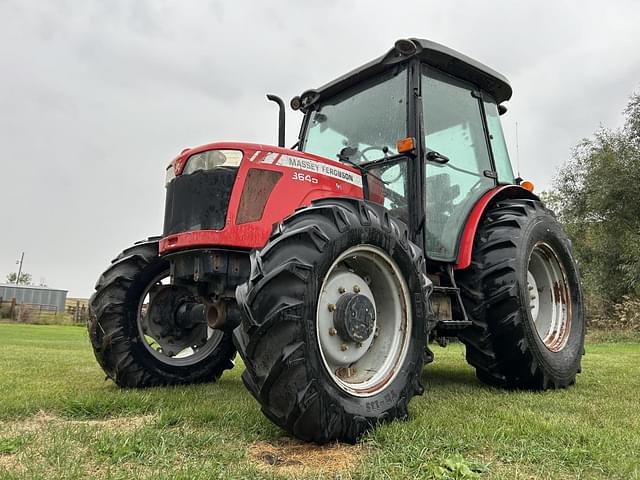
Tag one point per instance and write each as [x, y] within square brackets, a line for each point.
[32, 295]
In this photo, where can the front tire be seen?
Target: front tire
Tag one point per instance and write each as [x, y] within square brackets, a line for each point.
[315, 374]
[119, 343]
[523, 295]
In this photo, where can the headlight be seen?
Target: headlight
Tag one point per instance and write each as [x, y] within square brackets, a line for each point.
[211, 159]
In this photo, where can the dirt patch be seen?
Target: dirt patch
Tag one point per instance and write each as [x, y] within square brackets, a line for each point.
[24, 426]
[126, 424]
[42, 420]
[294, 458]
[11, 463]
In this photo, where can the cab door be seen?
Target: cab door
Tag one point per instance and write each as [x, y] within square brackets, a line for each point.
[458, 162]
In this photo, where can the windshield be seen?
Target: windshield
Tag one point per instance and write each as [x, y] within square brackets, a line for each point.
[362, 123]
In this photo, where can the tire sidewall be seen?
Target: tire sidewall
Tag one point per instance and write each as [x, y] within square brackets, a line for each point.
[564, 363]
[388, 397]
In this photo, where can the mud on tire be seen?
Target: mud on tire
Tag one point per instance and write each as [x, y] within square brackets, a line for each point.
[509, 344]
[114, 333]
[278, 339]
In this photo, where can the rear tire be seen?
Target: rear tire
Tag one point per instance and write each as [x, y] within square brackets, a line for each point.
[281, 335]
[113, 326]
[523, 295]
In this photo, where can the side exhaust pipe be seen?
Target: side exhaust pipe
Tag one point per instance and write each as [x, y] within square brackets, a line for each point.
[281, 113]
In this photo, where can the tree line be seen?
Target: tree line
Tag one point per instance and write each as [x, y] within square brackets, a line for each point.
[597, 197]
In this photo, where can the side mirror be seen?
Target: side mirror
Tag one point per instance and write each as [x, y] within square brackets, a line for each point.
[434, 156]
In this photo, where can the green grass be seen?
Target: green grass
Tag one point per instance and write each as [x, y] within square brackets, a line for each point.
[60, 419]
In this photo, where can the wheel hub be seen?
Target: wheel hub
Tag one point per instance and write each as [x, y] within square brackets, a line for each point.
[354, 317]
[337, 332]
[172, 320]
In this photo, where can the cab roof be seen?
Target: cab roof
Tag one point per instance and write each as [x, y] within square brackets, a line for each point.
[432, 53]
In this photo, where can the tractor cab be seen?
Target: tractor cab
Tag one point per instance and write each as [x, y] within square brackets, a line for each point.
[422, 123]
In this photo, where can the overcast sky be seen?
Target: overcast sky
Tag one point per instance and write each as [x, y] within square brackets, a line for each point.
[97, 97]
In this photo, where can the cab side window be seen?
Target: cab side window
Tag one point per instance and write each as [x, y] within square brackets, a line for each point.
[454, 128]
[498, 144]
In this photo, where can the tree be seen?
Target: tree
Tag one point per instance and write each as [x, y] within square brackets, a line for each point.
[597, 196]
[25, 278]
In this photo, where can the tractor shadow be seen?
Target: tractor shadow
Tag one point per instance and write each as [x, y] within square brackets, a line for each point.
[449, 369]
[436, 377]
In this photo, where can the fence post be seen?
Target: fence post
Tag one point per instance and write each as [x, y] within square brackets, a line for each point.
[12, 309]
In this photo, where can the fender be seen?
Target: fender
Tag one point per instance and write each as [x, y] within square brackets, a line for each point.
[473, 220]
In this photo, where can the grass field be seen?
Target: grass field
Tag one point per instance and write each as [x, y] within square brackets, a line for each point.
[60, 419]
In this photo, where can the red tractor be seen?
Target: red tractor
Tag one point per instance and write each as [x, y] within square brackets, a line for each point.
[395, 220]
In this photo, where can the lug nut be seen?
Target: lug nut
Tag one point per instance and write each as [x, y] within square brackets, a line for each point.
[356, 288]
[358, 345]
[341, 290]
[332, 307]
[344, 347]
[332, 331]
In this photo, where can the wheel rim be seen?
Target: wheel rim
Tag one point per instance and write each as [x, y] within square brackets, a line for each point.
[364, 356]
[183, 355]
[549, 297]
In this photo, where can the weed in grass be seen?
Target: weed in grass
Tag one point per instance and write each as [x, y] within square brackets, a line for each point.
[10, 446]
[117, 448]
[169, 420]
[457, 468]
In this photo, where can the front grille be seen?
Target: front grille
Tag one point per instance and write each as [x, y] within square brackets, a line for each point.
[198, 201]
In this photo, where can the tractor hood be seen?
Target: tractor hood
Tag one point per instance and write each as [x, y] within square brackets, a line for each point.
[230, 194]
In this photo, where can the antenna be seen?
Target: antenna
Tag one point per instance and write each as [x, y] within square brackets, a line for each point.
[517, 151]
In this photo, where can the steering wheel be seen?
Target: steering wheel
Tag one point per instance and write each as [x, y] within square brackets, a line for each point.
[394, 179]
[384, 150]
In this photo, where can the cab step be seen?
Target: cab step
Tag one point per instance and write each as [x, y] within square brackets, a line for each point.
[453, 325]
